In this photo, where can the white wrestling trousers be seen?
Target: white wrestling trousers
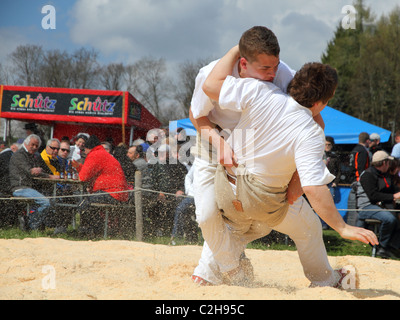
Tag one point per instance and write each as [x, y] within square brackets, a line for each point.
[222, 247]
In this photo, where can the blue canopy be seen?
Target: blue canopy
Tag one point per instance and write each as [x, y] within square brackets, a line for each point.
[344, 128]
[183, 123]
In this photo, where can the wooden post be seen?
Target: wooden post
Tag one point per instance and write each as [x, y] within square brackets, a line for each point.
[138, 205]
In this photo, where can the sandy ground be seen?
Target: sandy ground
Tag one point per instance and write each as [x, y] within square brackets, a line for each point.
[133, 270]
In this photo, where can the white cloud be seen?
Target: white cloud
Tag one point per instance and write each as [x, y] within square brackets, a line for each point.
[169, 29]
[179, 30]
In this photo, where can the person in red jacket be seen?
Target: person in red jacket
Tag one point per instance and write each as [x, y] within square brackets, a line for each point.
[106, 180]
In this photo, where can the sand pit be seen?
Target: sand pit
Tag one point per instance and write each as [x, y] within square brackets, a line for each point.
[133, 270]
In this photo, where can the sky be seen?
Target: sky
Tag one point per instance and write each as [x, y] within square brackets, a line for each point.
[175, 30]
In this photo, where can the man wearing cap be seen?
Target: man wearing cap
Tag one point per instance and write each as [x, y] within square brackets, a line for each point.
[375, 197]
[374, 145]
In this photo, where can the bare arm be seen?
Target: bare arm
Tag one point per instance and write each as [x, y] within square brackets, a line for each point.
[322, 202]
[204, 126]
[213, 84]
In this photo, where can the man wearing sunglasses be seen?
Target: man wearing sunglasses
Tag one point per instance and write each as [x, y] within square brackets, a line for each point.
[63, 155]
[49, 156]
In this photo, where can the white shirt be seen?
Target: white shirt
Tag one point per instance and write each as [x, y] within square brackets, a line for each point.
[202, 105]
[275, 135]
[396, 151]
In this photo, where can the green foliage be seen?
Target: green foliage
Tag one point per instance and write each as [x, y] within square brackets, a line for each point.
[368, 63]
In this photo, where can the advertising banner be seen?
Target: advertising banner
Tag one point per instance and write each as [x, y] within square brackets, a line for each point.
[60, 104]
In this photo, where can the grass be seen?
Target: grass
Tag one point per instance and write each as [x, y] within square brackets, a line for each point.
[335, 245]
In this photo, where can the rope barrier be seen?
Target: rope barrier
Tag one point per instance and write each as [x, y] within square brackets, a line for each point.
[143, 190]
[92, 194]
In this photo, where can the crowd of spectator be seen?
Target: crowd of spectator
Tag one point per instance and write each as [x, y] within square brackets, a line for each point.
[376, 184]
[164, 161]
[108, 174]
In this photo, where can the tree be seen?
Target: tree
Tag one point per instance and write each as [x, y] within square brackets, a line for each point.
[368, 64]
[112, 76]
[57, 69]
[187, 78]
[4, 75]
[27, 63]
[147, 80]
[85, 68]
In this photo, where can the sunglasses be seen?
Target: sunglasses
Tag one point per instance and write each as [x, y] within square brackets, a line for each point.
[54, 148]
[65, 150]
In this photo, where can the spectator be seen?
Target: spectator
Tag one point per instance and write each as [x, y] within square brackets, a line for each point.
[184, 220]
[106, 181]
[394, 171]
[32, 128]
[110, 140]
[374, 145]
[129, 168]
[5, 157]
[359, 157]
[62, 215]
[107, 146]
[138, 142]
[8, 213]
[23, 168]
[166, 178]
[62, 157]
[65, 139]
[332, 162]
[49, 156]
[137, 156]
[79, 146]
[154, 138]
[145, 147]
[396, 147]
[375, 197]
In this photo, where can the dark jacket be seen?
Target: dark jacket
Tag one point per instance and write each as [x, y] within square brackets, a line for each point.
[376, 188]
[333, 165]
[167, 177]
[21, 164]
[5, 157]
[359, 160]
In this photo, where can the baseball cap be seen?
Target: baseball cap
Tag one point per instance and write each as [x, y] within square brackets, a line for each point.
[374, 136]
[380, 156]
